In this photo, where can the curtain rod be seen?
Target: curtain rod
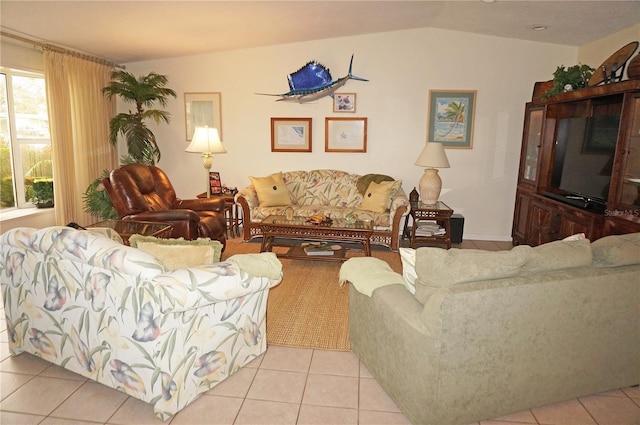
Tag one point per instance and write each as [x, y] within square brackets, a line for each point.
[58, 49]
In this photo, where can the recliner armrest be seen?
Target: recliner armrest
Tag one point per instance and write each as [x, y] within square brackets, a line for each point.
[203, 204]
[168, 215]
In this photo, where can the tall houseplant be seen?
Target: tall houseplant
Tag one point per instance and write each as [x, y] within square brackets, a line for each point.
[143, 91]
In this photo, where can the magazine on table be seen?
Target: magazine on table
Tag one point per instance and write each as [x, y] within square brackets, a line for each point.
[320, 248]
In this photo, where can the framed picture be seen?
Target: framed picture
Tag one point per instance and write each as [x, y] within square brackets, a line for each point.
[215, 184]
[344, 102]
[450, 117]
[202, 109]
[345, 134]
[290, 134]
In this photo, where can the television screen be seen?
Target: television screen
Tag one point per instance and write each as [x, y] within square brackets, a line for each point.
[584, 154]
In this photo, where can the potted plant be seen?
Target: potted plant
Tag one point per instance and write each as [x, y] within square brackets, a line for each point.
[572, 78]
[43, 193]
[144, 91]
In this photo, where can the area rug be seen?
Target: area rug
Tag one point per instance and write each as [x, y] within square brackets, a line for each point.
[308, 308]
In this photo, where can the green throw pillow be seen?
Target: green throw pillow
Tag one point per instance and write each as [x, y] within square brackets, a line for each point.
[363, 182]
[179, 253]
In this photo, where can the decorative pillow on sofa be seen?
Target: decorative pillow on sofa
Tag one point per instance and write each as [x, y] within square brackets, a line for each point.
[438, 268]
[616, 250]
[558, 255]
[376, 197]
[179, 253]
[271, 190]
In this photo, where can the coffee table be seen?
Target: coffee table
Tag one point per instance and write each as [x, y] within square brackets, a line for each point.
[298, 229]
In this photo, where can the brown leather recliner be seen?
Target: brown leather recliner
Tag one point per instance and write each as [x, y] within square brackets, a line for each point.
[144, 193]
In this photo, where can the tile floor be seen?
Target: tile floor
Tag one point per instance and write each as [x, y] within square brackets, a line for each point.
[283, 386]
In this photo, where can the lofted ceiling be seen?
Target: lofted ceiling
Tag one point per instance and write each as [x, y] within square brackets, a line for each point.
[129, 31]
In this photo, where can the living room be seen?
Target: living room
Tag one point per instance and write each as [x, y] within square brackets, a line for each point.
[402, 67]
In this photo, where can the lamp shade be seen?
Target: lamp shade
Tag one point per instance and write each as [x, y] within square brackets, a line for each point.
[433, 156]
[206, 140]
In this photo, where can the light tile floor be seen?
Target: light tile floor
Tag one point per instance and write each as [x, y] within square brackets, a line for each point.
[283, 386]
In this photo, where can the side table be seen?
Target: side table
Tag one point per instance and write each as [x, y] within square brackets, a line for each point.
[231, 212]
[438, 213]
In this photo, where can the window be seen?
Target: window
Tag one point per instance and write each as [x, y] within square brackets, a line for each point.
[25, 145]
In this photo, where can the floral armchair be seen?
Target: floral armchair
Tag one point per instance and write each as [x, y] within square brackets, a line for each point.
[114, 314]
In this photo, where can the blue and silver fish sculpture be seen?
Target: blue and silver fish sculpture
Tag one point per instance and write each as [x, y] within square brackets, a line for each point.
[313, 81]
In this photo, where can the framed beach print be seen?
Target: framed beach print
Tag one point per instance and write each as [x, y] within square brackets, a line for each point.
[344, 102]
[290, 134]
[345, 134]
[450, 117]
[202, 109]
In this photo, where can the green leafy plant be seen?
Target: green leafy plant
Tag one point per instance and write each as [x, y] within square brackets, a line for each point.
[97, 201]
[43, 193]
[576, 76]
[144, 92]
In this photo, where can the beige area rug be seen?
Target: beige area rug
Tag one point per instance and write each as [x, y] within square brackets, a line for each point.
[308, 308]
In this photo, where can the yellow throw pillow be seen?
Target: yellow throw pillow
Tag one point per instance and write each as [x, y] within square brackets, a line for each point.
[179, 253]
[376, 197]
[271, 190]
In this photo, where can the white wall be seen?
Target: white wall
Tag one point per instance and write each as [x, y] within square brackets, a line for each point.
[402, 67]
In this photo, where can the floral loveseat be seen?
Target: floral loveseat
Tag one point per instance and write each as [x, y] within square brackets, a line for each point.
[331, 192]
[114, 314]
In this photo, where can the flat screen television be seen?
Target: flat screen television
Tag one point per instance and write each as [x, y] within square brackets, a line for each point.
[583, 160]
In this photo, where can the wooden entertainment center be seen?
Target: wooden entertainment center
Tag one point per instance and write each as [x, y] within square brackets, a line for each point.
[543, 211]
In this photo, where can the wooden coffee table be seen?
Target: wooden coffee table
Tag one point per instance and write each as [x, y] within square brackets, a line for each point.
[291, 233]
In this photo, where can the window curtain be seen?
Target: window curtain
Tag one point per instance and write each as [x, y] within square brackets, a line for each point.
[79, 117]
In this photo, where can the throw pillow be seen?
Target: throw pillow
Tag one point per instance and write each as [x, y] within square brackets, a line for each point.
[616, 250]
[439, 268]
[408, 257]
[271, 190]
[179, 253]
[558, 255]
[376, 197]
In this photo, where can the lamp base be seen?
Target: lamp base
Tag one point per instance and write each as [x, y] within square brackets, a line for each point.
[430, 186]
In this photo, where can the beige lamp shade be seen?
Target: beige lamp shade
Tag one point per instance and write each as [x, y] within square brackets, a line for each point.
[431, 157]
[206, 141]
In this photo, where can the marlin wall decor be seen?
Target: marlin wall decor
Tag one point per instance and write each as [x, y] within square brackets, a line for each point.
[312, 82]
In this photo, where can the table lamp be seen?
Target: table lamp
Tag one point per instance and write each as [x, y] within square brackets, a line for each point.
[431, 157]
[206, 141]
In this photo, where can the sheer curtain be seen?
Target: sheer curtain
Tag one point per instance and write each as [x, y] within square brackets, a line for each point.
[79, 121]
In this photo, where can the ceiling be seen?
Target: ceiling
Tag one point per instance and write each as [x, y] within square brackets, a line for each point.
[129, 31]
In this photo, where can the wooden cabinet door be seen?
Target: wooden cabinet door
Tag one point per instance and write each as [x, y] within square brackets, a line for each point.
[521, 217]
[544, 221]
[573, 222]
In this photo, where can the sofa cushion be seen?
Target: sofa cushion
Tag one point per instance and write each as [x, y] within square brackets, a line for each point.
[376, 197]
[616, 250]
[271, 190]
[439, 268]
[179, 253]
[558, 255]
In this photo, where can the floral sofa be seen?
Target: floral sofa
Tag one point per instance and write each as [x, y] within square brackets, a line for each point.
[330, 192]
[465, 335]
[114, 314]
